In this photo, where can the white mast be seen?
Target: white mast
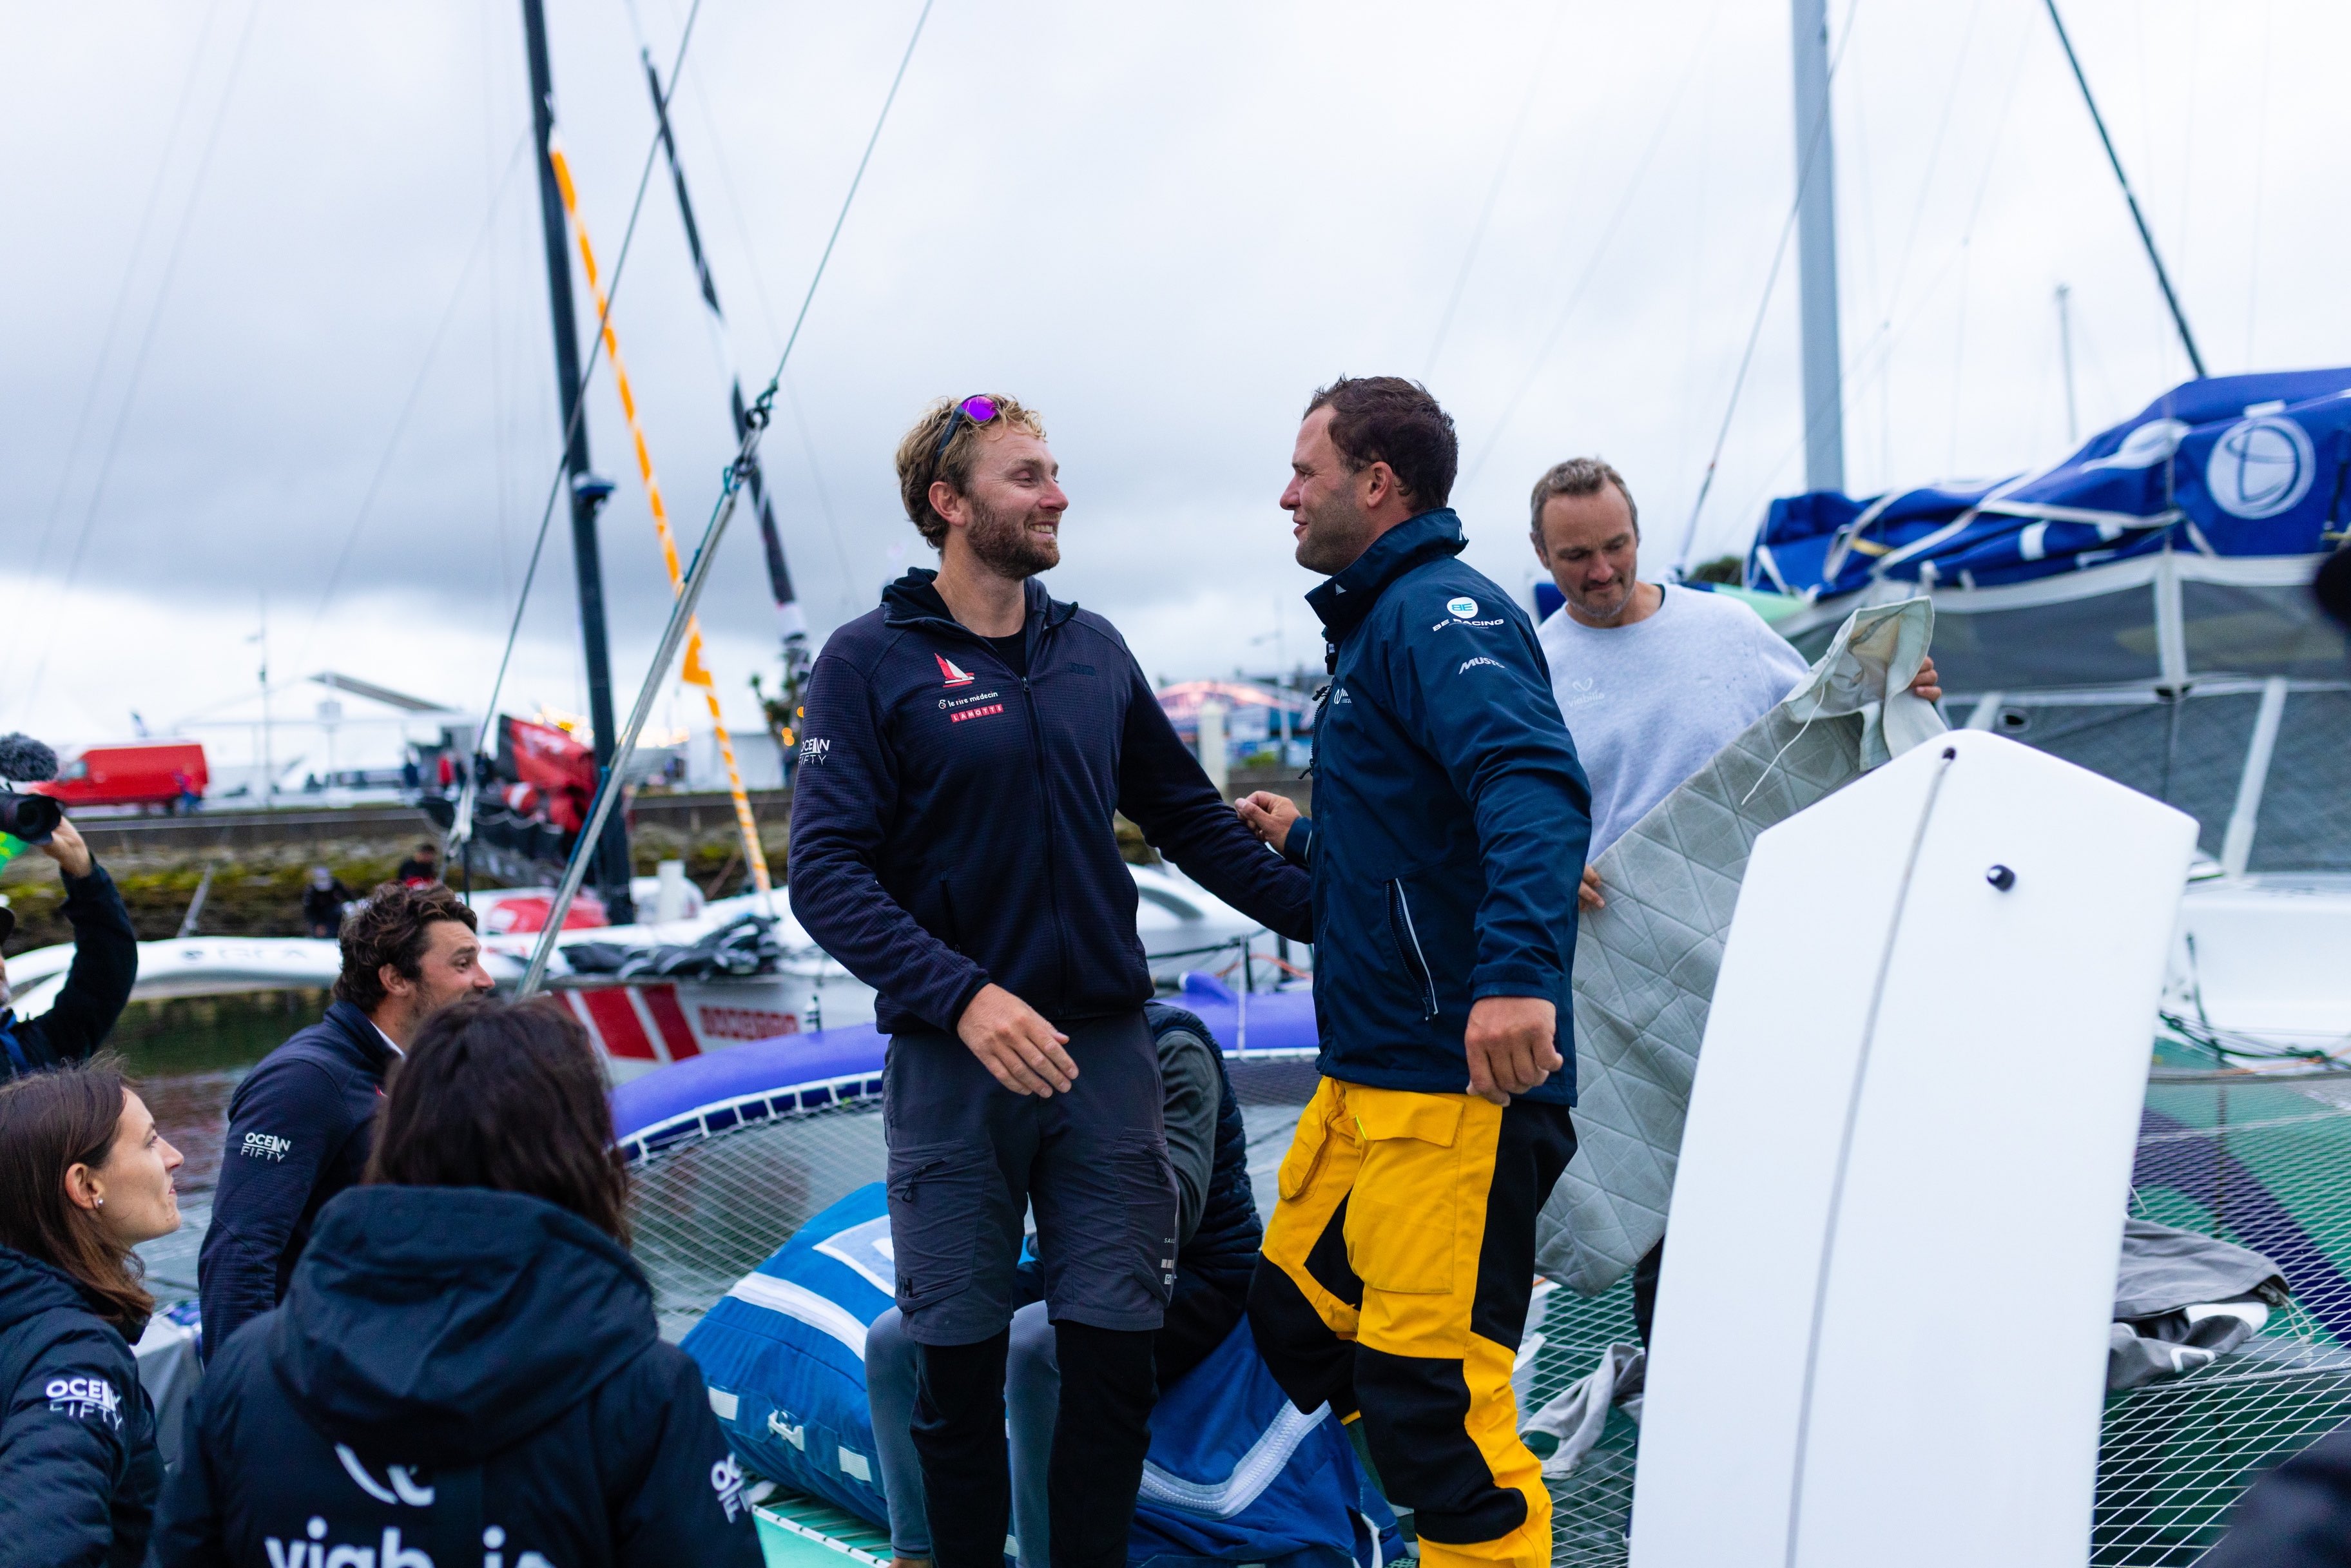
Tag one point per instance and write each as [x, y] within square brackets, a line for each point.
[1816, 250]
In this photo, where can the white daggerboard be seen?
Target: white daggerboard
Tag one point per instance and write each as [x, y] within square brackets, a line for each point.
[1881, 1326]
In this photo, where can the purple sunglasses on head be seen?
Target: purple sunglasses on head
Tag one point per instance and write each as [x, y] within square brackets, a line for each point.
[978, 410]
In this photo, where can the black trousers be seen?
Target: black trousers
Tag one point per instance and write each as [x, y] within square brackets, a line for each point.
[1100, 1437]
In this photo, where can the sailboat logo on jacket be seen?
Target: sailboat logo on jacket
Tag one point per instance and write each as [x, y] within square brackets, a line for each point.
[955, 674]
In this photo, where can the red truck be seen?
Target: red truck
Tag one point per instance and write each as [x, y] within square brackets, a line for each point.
[165, 773]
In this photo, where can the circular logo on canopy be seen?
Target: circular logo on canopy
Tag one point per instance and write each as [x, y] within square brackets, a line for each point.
[2261, 467]
[1462, 609]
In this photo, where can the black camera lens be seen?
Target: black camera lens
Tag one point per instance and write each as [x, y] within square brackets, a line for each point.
[32, 818]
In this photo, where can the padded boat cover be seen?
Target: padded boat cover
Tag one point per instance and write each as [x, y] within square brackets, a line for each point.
[1645, 964]
[1235, 1474]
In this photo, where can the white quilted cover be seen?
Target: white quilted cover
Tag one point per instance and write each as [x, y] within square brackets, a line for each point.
[1644, 965]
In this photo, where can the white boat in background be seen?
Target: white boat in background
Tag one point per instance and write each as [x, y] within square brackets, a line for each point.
[2143, 609]
[642, 1022]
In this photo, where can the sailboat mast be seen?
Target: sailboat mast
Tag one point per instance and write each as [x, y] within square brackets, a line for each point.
[793, 622]
[612, 864]
[1816, 250]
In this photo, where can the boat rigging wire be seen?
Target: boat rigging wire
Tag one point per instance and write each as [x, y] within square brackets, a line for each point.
[717, 145]
[792, 619]
[1763, 306]
[1494, 192]
[415, 392]
[2146, 235]
[1600, 249]
[146, 343]
[609, 787]
[697, 669]
[122, 291]
[464, 820]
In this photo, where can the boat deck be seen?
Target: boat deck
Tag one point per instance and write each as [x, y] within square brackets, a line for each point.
[2264, 1160]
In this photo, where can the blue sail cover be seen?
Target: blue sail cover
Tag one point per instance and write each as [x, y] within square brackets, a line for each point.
[2251, 466]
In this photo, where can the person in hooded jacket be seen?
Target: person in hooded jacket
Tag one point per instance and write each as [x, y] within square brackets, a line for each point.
[84, 1178]
[466, 1368]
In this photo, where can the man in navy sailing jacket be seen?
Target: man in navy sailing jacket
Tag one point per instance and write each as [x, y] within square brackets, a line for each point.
[964, 749]
[302, 1123]
[1451, 820]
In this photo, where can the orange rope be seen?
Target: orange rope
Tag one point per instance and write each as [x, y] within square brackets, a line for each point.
[696, 672]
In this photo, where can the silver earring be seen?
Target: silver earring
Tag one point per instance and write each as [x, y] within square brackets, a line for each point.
[101, 1202]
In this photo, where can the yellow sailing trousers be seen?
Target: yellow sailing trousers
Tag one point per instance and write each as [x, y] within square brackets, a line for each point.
[1396, 1277]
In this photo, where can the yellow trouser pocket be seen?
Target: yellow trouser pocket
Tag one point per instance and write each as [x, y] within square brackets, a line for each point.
[1403, 1213]
[1307, 1144]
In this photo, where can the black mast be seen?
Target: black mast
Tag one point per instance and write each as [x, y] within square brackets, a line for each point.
[793, 622]
[612, 865]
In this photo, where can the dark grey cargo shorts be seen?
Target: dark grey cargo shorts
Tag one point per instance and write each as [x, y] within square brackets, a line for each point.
[967, 1157]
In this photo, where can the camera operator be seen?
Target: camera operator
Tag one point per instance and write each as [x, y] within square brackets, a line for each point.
[105, 962]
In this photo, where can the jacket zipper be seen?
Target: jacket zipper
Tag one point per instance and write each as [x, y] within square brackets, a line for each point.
[1037, 752]
[1403, 906]
[1045, 803]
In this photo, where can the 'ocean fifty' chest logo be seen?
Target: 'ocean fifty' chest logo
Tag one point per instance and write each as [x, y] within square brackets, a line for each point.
[264, 1146]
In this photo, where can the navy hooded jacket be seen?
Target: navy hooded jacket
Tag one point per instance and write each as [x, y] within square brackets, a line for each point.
[78, 1467]
[951, 818]
[1450, 817]
[456, 1372]
[300, 1128]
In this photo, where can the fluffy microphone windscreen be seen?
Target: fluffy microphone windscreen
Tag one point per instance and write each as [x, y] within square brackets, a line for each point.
[26, 760]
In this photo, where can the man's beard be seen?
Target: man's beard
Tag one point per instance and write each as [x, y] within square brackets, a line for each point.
[1610, 617]
[1335, 539]
[1002, 542]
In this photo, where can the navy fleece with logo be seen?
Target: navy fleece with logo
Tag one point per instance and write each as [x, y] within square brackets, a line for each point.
[467, 1376]
[78, 1467]
[951, 818]
[1450, 817]
[300, 1128]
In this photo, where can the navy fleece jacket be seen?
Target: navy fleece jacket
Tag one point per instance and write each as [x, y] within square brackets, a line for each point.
[951, 818]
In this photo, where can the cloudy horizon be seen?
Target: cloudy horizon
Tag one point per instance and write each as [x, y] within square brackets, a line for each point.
[279, 344]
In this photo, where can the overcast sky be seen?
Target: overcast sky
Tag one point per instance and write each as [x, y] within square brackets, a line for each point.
[276, 334]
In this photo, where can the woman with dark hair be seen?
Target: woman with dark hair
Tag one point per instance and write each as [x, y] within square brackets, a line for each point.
[84, 1178]
[465, 1368]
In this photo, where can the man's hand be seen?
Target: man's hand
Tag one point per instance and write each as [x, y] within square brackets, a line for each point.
[1928, 685]
[1587, 895]
[1510, 1046]
[66, 848]
[1269, 816]
[1013, 1041]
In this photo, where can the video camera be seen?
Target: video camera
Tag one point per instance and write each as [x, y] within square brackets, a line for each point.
[30, 817]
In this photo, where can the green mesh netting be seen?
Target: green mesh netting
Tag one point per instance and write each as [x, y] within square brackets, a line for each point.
[2261, 1161]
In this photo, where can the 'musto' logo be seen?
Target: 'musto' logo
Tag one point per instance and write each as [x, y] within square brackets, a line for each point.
[2261, 467]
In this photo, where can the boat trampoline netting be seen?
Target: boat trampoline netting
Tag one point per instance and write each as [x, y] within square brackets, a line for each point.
[2258, 1160]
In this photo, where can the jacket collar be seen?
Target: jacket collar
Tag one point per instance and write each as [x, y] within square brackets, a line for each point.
[913, 601]
[359, 1034]
[1348, 597]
